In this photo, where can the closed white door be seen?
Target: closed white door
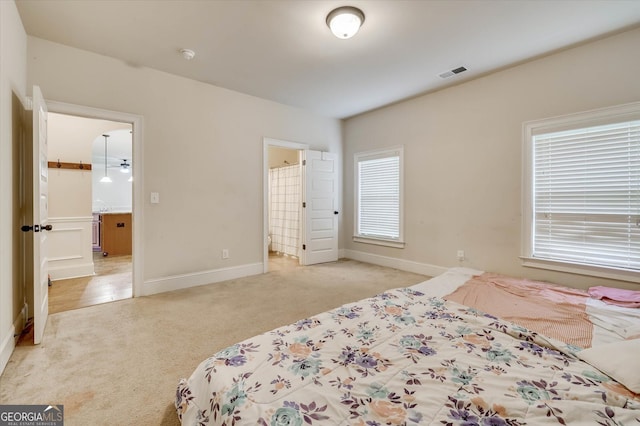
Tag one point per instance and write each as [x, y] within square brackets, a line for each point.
[320, 208]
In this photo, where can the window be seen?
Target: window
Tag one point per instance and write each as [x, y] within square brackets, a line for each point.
[582, 193]
[378, 193]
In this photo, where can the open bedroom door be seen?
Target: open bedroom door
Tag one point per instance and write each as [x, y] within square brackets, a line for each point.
[319, 208]
[39, 224]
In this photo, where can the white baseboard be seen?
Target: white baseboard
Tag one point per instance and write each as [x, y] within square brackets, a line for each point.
[72, 271]
[392, 262]
[178, 282]
[69, 247]
[7, 346]
[9, 341]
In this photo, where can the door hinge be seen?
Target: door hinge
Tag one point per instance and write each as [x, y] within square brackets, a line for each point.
[304, 204]
[304, 247]
[304, 162]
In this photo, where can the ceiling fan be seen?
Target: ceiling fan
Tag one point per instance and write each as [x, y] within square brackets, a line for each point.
[125, 166]
[112, 162]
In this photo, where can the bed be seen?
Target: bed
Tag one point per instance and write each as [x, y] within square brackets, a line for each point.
[417, 355]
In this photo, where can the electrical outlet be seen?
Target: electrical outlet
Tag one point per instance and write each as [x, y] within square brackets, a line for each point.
[225, 253]
[460, 255]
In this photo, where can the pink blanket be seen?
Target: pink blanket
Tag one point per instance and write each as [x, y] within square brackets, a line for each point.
[552, 310]
[616, 296]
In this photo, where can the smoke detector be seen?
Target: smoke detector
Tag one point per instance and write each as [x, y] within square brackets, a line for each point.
[187, 54]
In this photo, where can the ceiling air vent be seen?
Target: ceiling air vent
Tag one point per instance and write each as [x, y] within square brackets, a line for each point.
[452, 72]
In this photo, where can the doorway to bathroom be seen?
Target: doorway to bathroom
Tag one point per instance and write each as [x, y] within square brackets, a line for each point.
[311, 200]
[284, 209]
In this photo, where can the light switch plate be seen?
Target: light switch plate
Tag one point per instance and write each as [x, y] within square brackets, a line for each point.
[155, 197]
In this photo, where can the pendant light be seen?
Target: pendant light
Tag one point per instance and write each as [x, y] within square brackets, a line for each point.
[105, 179]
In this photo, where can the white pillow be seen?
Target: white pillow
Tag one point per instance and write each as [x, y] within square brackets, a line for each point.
[620, 360]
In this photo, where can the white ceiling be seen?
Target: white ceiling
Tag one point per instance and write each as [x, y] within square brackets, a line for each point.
[282, 50]
[119, 148]
[70, 134]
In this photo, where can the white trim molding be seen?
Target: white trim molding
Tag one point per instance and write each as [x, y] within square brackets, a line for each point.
[377, 224]
[179, 282]
[378, 241]
[571, 122]
[70, 251]
[393, 262]
[67, 272]
[137, 164]
[582, 269]
[8, 344]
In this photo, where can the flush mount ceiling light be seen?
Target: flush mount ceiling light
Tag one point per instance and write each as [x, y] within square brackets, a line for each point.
[345, 21]
[105, 179]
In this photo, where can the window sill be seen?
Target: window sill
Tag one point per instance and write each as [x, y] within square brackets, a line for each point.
[379, 241]
[582, 269]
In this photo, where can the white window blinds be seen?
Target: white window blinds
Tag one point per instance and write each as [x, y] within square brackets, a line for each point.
[587, 196]
[378, 205]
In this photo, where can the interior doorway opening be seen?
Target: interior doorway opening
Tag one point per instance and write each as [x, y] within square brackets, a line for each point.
[90, 208]
[283, 196]
[318, 230]
[285, 207]
[33, 198]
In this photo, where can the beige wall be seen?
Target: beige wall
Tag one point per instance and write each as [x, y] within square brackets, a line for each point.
[69, 193]
[463, 153]
[202, 152]
[69, 190]
[70, 140]
[278, 156]
[13, 54]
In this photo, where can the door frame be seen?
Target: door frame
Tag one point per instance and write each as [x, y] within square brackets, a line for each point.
[137, 261]
[266, 143]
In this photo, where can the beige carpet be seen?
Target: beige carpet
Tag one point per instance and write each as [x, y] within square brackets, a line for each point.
[119, 363]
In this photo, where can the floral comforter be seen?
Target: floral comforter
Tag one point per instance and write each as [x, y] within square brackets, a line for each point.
[402, 358]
